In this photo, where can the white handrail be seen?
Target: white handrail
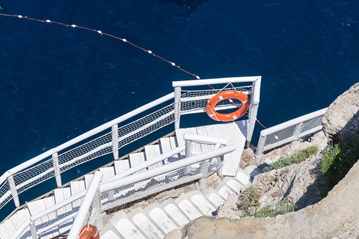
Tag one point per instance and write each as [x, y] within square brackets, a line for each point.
[292, 122]
[85, 206]
[108, 186]
[86, 135]
[214, 81]
[146, 164]
[205, 139]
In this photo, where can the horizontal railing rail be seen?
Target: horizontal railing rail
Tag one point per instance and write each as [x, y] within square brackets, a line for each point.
[289, 131]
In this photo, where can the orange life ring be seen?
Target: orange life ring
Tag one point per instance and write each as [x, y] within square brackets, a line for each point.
[89, 232]
[228, 94]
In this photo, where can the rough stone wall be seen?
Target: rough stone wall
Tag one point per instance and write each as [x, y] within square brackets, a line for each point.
[341, 121]
[333, 216]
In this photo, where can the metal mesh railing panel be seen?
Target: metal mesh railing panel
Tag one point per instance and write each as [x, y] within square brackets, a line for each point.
[86, 152]
[145, 125]
[33, 176]
[159, 183]
[5, 194]
[280, 135]
[197, 99]
[312, 123]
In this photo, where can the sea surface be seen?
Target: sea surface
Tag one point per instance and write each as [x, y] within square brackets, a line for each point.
[58, 82]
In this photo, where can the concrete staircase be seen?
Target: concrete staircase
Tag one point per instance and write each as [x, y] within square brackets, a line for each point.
[155, 220]
[158, 219]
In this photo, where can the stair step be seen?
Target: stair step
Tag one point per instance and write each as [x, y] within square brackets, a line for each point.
[214, 198]
[20, 217]
[109, 235]
[125, 227]
[144, 224]
[188, 208]
[224, 191]
[233, 184]
[3, 232]
[152, 151]
[179, 136]
[121, 165]
[201, 202]
[174, 212]
[136, 159]
[107, 172]
[62, 194]
[160, 218]
[77, 187]
[88, 179]
[243, 177]
[9, 228]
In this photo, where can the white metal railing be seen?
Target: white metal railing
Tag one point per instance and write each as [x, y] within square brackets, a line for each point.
[188, 103]
[54, 162]
[289, 131]
[111, 190]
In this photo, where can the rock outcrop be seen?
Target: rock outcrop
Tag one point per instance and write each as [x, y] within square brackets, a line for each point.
[341, 121]
[336, 215]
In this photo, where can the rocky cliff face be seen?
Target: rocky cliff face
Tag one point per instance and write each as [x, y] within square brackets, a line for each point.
[341, 121]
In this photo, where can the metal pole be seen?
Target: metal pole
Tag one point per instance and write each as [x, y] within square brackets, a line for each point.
[114, 130]
[55, 162]
[13, 190]
[260, 146]
[177, 107]
[85, 206]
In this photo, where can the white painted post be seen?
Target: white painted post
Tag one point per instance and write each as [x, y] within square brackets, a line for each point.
[177, 107]
[115, 141]
[33, 230]
[297, 131]
[260, 146]
[55, 162]
[85, 206]
[13, 190]
[188, 150]
[256, 86]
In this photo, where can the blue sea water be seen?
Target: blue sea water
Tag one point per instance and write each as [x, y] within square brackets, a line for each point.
[58, 82]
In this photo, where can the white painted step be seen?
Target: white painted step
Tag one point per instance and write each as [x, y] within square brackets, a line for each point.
[136, 159]
[233, 184]
[152, 151]
[188, 208]
[88, 179]
[9, 228]
[214, 198]
[144, 224]
[60, 195]
[198, 199]
[243, 177]
[77, 187]
[107, 172]
[125, 226]
[109, 235]
[224, 191]
[172, 210]
[160, 217]
[3, 232]
[19, 217]
[121, 165]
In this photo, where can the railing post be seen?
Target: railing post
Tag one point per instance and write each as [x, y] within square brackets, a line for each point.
[33, 230]
[177, 107]
[253, 110]
[55, 163]
[188, 149]
[13, 190]
[115, 141]
[260, 146]
[297, 130]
